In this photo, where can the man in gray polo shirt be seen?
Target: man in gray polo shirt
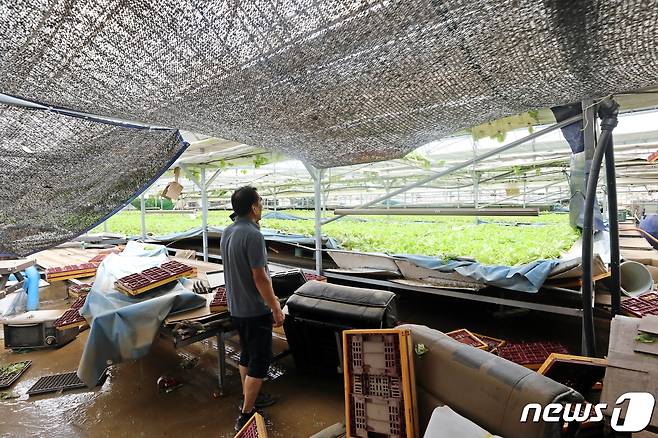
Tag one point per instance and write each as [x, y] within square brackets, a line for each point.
[251, 301]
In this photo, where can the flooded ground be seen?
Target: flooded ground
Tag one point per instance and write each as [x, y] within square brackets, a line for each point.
[130, 404]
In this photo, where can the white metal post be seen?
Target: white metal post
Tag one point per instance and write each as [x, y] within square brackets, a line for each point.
[318, 221]
[316, 174]
[204, 212]
[143, 214]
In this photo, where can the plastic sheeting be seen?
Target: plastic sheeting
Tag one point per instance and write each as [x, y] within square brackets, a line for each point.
[123, 327]
[269, 235]
[333, 82]
[577, 187]
[523, 278]
[62, 175]
[650, 225]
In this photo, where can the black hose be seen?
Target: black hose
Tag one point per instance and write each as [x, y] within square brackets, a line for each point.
[607, 110]
[614, 282]
[589, 344]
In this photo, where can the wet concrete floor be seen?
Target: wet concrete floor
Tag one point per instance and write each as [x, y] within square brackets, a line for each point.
[130, 404]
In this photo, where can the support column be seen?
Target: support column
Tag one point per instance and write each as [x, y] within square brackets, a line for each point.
[318, 221]
[316, 174]
[204, 212]
[143, 211]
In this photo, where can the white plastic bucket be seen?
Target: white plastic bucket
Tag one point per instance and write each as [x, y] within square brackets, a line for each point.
[635, 278]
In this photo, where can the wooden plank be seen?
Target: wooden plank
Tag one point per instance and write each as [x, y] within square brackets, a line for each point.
[54, 257]
[11, 266]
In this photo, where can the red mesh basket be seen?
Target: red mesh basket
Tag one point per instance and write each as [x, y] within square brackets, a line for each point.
[530, 353]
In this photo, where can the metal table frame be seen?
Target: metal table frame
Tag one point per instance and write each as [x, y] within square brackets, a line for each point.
[562, 310]
[220, 327]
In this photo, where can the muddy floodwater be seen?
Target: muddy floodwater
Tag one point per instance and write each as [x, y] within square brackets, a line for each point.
[129, 402]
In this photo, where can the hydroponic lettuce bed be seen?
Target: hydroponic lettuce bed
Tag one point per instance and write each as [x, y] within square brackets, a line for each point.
[499, 241]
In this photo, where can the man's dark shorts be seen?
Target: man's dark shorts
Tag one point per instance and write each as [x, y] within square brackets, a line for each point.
[255, 344]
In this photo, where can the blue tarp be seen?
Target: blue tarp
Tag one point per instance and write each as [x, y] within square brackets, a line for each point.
[650, 225]
[270, 235]
[523, 278]
[123, 327]
[282, 216]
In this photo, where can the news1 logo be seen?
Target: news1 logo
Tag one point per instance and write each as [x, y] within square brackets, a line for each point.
[638, 413]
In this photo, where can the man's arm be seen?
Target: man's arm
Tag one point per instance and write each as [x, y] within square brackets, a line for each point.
[264, 286]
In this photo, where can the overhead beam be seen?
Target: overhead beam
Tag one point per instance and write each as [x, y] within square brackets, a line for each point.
[467, 163]
[438, 211]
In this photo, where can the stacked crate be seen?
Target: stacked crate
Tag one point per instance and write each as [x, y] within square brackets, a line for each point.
[380, 397]
[71, 271]
[135, 284]
[646, 304]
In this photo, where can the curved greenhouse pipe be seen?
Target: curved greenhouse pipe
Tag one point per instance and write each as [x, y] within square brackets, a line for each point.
[608, 109]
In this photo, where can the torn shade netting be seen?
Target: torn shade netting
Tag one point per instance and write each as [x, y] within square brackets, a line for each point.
[62, 175]
[333, 82]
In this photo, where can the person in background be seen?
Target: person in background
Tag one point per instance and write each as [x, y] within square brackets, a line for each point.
[252, 304]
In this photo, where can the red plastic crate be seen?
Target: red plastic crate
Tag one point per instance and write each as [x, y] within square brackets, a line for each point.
[255, 428]
[492, 343]
[379, 383]
[530, 354]
[363, 408]
[390, 366]
[468, 338]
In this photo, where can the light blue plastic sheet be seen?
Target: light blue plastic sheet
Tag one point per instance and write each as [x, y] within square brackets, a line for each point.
[123, 327]
[523, 278]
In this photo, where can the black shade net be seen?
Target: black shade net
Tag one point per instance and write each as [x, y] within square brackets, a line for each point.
[62, 175]
[331, 82]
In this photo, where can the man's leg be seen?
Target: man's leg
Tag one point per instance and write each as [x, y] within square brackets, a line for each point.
[250, 389]
[260, 355]
[243, 375]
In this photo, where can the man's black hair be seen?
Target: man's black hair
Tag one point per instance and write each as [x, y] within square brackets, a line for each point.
[242, 200]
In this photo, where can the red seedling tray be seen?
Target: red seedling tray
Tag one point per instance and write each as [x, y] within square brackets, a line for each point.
[77, 304]
[175, 268]
[71, 268]
[646, 304]
[80, 289]
[98, 258]
[468, 338]
[530, 353]
[220, 298]
[71, 316]
[134, 281]
[156, 274]
[492, 343]
[310, 277]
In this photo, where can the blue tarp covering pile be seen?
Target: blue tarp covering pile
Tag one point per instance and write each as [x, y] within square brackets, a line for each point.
[123, 327]
[523, 278]
[270, 235]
